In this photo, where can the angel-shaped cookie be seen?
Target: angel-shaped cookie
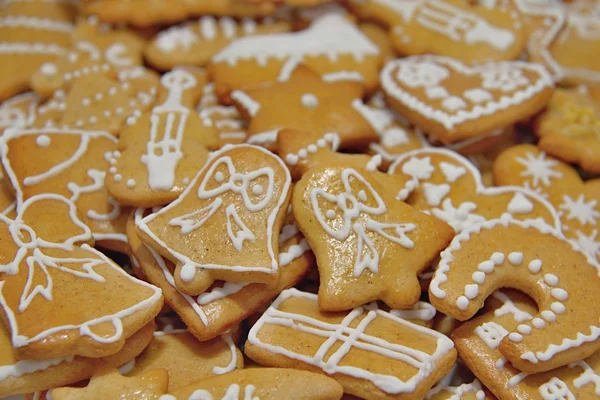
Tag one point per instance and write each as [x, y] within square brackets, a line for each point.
[225, 225]
[61, 297]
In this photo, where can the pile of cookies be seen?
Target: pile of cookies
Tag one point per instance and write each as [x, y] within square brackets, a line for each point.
[300, 199]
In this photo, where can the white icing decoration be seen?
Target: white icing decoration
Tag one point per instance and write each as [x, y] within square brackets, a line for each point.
[436, 92]
[454, 103]
[425, 74]
[539, 168]
[434, 194]
[329, 140]
[583, 211]
[491, 333]
[451, 171]
[176, 37]
[418, 168]
[227, 338]
[233, 392]
[555, 389]
[520, 205]
[338, 76]
[249, 104]
[309, 100]
[422, 311]
[588, 376]
[477, 96]
[12, 116]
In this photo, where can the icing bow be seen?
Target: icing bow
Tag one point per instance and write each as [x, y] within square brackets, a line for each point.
[344, 212]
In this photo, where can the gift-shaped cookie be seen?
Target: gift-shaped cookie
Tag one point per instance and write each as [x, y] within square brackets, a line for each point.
[71, 163]
[368, 245]
[537, 258]
[448, 186]
[61, 297]
[477, 343]
[453, 101]
[225, 225]
[162, 150]
[370, 352]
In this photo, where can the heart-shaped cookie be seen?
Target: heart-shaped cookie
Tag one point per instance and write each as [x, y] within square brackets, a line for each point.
[453, 101]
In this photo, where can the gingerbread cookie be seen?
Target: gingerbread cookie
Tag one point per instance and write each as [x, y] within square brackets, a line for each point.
[448, 186]
[232, 210]
[477, 342]
[378, 349]
[577, 201]
[224, 304]
[454, 387]
[60, 296]
[331, 46]
[19, 111]
[228, 120]
[194, 43]
[32, 33]
[453, 101]
[8, 204]
[455, 28]
[161, 150]
[359, 232]
[537, 258]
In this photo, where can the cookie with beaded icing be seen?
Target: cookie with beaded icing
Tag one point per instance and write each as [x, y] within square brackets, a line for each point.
[31, 34]
[453, 101]
[569, 128]
[576, 200]
[70, 163]
[224, 304]
[448, 186]
[161, 150]
[538, 259]
[312, 105]
[455, 28]
[332, 46]
[195, 42]
[61, 297]
[264, 384]
[295, 333]
[20, 376]
[231, 125]
[19, 111]
[232, 211]
[477, 343]
[359, 232]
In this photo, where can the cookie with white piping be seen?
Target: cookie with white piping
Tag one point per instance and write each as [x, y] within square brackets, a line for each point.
[161, 150]
[369, 358]
[60, 296]
[225, 225]
[577, 201]
[20, 376]
[31, 34]
[459, 384]
[224, 304]
[19, 111]
[332, 46]
[448, 186]
[312, 105]
[535, 257]
[70, 163]
[231, 125]
[195, 42]
[477, 342]
[368, 245]
[264, 384]
[453, 101]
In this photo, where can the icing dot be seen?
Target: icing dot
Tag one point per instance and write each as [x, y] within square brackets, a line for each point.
[118, 177]
[462, 303]
[86, 101]
[187, 272]
[79, 123]
[559, 294]
[309, 100]
[471, 291]
[112, 170]
[321, 142]
[330, 214]
[538, 323]
[524, 329]
[548, 315]
[116, 153]
[535, 266]
[312, 148]
[515, 337]
[68, 76]
[186, 180]
[130, 183]
[478, 277]
[219, 177]
[497, 258]
[557, 308]
[112, 91]
[303, 153]
[515, 258]
[107, 113]
[362, 195]
[98, 96]
[257, 190]
[486, 266]
[551, 279]
[43, 141]
[93, 120]
[48, 69]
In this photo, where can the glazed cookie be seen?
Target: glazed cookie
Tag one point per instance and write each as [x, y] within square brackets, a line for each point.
[32, 33]
[94, 52]
[577, 201]
[312, 104]
[359, 232]
[394, 359]
[22, 376]
[477, 342]
[224, 304]
[194, 43]
[569, 129]
[70, 163]
[448, 186]
[455, 28]
[264, 384]
[228, 120]
[19, 111]
[332, 46]
[224, 226]
[538, 259]
[162, 150]
[82, 302]
[453, 101]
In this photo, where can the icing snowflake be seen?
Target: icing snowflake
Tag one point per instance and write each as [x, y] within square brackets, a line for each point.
[181, 37]
[421, 74]
[458, 218]
[584, 212]
[504, 79]
[589, 244]
[418, 168]
[539, 168]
